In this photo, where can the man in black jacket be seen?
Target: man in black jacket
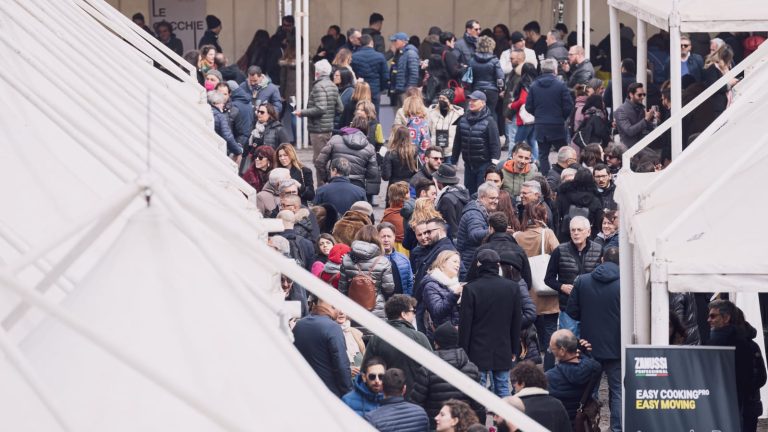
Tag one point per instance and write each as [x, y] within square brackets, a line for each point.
[594, 301]
[211, 35]
[433, 159]
[451, 197]
[401, 311]
[431, 391]
[502, 242]
[375, 22]
[477, 141]
[573, 258]
[489, 329]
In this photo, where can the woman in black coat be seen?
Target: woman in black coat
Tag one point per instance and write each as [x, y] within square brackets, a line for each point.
[268, 130]
[286, 157]
[399, 163]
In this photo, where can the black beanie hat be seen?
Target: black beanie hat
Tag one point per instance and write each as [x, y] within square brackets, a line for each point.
[446, 336]
[212, 21]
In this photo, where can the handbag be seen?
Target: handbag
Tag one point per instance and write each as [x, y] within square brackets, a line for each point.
[539, 265]
[525, 116]
[458, 92]
[588, 414]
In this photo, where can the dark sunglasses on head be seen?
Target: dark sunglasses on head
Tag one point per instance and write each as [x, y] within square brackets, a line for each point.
[374, 377]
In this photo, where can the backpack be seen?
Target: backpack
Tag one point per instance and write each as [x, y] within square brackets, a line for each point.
[594, 129]
[362, 287]
[573, 211]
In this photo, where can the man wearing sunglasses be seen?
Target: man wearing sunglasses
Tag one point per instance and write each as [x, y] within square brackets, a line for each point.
[633, 120]
[691, 63]
[367, 387]
[466, 45]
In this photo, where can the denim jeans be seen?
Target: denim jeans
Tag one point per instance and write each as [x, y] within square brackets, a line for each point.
[510, 132]
[498, 382]
[525, 133]
[473, 177]
[546, 325]
[612, 369]
[566, 322]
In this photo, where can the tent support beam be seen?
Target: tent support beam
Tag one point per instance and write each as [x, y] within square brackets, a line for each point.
[299, 88]
[642, 54]
[587, 26]
[675, 55]
[613, 16]
[659, 298]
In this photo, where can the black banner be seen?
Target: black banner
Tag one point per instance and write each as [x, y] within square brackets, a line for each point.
[680, 388]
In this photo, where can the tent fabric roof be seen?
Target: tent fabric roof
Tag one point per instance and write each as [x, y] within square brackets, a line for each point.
[700, 15]
[689, 207]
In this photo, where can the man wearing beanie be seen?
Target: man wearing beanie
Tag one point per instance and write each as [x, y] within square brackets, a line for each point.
[489, 322]
[443, 117]
[431, 391]
[211, 35]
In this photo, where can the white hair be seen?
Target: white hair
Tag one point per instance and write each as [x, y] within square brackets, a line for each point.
[579, 220]
[288, 218]
[565, 153]
[533, 185]
[568, 173]
[281, 244]
[323, 68]
[486, 187]
[277, 175]
[548, 66]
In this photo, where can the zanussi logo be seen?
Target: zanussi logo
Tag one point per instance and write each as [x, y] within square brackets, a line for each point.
[651, 367]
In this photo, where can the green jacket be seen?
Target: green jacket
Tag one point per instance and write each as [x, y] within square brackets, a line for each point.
[323, 105]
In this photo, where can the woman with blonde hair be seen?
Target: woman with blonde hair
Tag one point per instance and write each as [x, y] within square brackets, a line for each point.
[399, 163]
[362, 92]
[423, 210]
[343, 59]
[415, 115]
[441, 291]
[716, 65]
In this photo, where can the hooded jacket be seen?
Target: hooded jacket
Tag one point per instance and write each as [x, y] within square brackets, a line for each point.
[361, 259]
[439, 300]
[245, 116]
[221, 126]
[550, 101]
[486, 71]
[361, 399]
[473, 227]
[567, 381]
[477, 139]
[353, 145]
[406, 71]
[323, 105]
[431, 391]
[504, 243]
[594, 301]
[512, 181]
[450, 203]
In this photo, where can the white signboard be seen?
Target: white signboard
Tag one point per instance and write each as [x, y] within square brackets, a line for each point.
[187, 17]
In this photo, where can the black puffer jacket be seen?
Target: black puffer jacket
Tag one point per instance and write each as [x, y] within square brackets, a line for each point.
[486, 71]
[684, 306]
[353, 145]
[477, 139]
[273, 135]
[430, 391]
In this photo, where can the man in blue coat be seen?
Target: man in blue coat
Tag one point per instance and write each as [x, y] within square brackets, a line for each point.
[261, 90]
[396, 414]
[473, 226]
[406, 70]
[595, 302]
[366, 394]
[320, 341]
[371, 66]
[550, 102]
[339, 192]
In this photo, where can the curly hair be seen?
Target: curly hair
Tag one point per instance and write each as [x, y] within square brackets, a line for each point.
[461, 410]
[529, 375]
[485, 44]
[423, 210]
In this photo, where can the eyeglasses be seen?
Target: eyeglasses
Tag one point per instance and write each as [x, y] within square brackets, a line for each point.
[684, 45]
[375, 377]
[289, 192]
[426, 232]
[261, 112]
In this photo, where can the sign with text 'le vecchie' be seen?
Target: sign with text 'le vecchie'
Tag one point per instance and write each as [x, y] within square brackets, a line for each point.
[680, 389]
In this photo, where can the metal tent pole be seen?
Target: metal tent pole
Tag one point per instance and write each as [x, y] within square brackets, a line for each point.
[613, 16]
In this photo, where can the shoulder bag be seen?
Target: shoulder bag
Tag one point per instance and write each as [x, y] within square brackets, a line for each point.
[539, 265]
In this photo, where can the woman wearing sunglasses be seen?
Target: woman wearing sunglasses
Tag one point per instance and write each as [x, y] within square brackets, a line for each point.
[258, 173]
[268, 130]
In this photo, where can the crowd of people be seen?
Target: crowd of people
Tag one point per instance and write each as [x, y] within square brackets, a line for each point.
[510, 274]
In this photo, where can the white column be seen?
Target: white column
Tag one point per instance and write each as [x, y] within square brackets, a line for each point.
[299, 89]
[580, 22]
[305, 63]
[613, 16]
[626, 279]
[642, 54]
[587, 26]
[676, 78]
[659, 301]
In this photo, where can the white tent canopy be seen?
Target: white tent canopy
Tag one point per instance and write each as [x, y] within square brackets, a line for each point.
[699, 15]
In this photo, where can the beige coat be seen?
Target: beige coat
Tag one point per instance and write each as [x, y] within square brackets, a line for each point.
[530, 241]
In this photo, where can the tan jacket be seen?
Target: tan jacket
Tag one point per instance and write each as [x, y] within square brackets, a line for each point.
[530, 241]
